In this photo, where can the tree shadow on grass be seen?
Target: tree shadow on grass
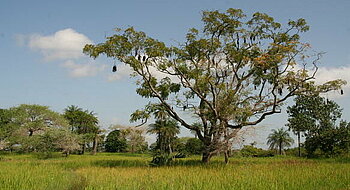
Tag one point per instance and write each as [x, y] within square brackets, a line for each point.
[146, 163]
[120, 163]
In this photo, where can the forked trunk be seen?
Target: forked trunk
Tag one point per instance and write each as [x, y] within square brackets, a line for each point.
[206, 156]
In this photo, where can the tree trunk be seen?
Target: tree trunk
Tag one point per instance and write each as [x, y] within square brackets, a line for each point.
[226, 156]
[94, 146]
[206, 156]
[83, 149]
[299, 154]
[280, 148]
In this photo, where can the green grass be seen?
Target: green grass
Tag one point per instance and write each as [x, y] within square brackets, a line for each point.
[125, 171]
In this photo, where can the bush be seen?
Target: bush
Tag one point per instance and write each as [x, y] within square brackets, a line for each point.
[295, 152]
[251, 151]
[161, 159]
[194, 146]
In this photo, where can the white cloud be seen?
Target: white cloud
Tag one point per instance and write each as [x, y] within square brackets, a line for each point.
[83, 70]
[63, 44]
[325, 74]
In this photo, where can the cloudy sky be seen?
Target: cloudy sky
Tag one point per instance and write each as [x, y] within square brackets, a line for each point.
[41, 60]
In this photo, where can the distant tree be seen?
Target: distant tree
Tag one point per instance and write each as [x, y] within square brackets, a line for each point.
[6, 128]
[83, 123]
[114, 142]
[57, 140]
[72, 114]
[179, 144]
[194, 146]
[279, 139]
[234, 72]
[166, 131]
[315, 117]
[66, 141]
[97, 139]
[310, 114]
[36, 118]
[30, 122]
[135, 139]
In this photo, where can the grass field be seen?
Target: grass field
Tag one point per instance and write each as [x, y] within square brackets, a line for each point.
[123, 171]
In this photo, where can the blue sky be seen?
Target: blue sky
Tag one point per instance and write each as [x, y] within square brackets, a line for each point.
[41, 60]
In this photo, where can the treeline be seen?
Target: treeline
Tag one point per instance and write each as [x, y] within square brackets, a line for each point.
[36, 128]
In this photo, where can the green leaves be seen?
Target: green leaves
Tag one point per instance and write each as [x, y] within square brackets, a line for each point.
[234, 72]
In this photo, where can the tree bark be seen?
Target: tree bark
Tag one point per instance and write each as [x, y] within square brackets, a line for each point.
[206, 156]
[94, 146]
[83, 149]
[299, 154]
[280, 147]
[226, 157]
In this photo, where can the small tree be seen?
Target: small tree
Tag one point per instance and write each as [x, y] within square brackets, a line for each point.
[57, 140]
[134, 139]
[114, 142]
[234, 72]
[279, 140]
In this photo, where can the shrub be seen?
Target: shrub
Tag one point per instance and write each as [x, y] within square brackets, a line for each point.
[251, 151]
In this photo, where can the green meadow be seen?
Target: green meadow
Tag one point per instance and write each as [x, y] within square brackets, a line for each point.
[128, 171]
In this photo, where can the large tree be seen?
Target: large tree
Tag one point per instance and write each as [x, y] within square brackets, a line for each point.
[234, 72]
[27, 124]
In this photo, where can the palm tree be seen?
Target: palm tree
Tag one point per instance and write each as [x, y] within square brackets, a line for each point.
[165, 130]
[71, 114]
[279, 139]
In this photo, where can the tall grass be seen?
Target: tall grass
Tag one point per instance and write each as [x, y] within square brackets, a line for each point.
[121, 171]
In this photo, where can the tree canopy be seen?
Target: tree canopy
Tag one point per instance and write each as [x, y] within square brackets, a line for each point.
[115, 142]
[234, 72]
[279, 139]
[316, 118]
[83, 123]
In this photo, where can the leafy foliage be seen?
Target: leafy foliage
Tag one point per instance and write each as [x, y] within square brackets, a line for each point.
[28, 128]
[134, 139]
[279, 140]
[252, 151]
[234, 72]
[315, 117]
[84, 123]
[115, 142]
[194, 146]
